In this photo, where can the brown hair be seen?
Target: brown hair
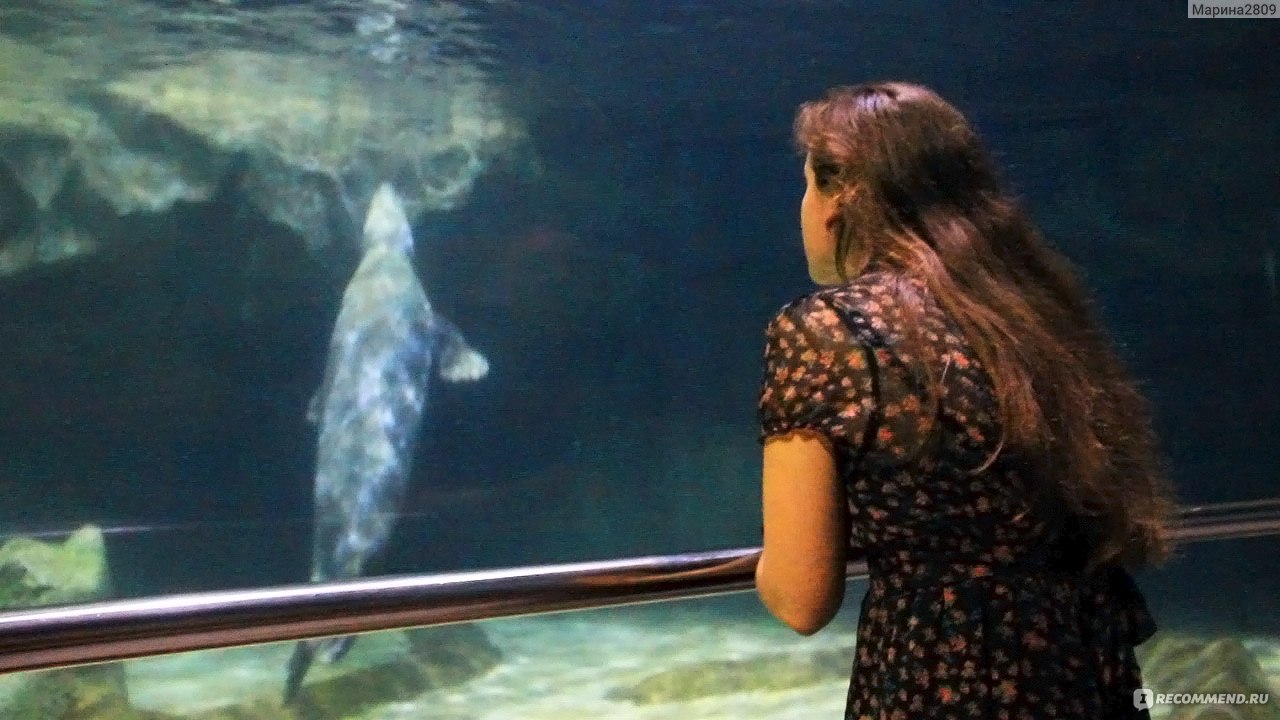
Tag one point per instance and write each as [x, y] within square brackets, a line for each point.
[917, 192]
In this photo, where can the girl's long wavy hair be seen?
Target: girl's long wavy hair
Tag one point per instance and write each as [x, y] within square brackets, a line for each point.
[917, 192]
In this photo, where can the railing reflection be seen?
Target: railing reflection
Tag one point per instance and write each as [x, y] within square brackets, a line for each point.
[123, 629]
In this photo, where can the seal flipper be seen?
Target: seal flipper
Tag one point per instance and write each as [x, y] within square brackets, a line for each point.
[459, 362]
[304, 654]
[333, 650]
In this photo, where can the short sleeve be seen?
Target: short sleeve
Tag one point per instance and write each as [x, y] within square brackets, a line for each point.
[817, 376]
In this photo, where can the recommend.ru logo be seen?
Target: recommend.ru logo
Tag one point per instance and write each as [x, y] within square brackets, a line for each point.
[1145, 698]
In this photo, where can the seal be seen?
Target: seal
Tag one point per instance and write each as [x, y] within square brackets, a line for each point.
[386, 344]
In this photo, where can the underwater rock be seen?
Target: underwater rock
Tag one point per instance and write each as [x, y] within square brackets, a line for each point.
[340, 696]
[312, 137]
[452, 654]
[94, 692]
[774, 672]
[34, 572]
[132, 177]
[46, 240]
[34, 103]
[40, 163]
[39, 130]
[436, 658]
[309, 203]
[1185, 664]
[304, 139]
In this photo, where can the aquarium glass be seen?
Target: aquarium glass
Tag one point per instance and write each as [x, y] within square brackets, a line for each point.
[582, 216]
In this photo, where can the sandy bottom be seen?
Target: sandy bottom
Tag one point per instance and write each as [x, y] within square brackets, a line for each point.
[560, 667]
[557, 667]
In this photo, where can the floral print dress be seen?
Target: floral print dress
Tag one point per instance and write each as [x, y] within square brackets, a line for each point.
[972, 611]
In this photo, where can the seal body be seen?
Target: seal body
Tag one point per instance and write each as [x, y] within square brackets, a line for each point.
[387, 344]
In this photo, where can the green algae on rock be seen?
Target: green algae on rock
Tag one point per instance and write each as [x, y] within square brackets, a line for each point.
[772, 672]
[35, 572]
[1173, 663]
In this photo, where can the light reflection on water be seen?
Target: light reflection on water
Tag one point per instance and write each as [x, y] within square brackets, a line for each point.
[406, 38]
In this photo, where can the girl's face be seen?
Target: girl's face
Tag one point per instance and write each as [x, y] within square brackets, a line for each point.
[816, 210]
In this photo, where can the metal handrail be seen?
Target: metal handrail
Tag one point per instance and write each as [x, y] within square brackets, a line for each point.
[49, 637]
